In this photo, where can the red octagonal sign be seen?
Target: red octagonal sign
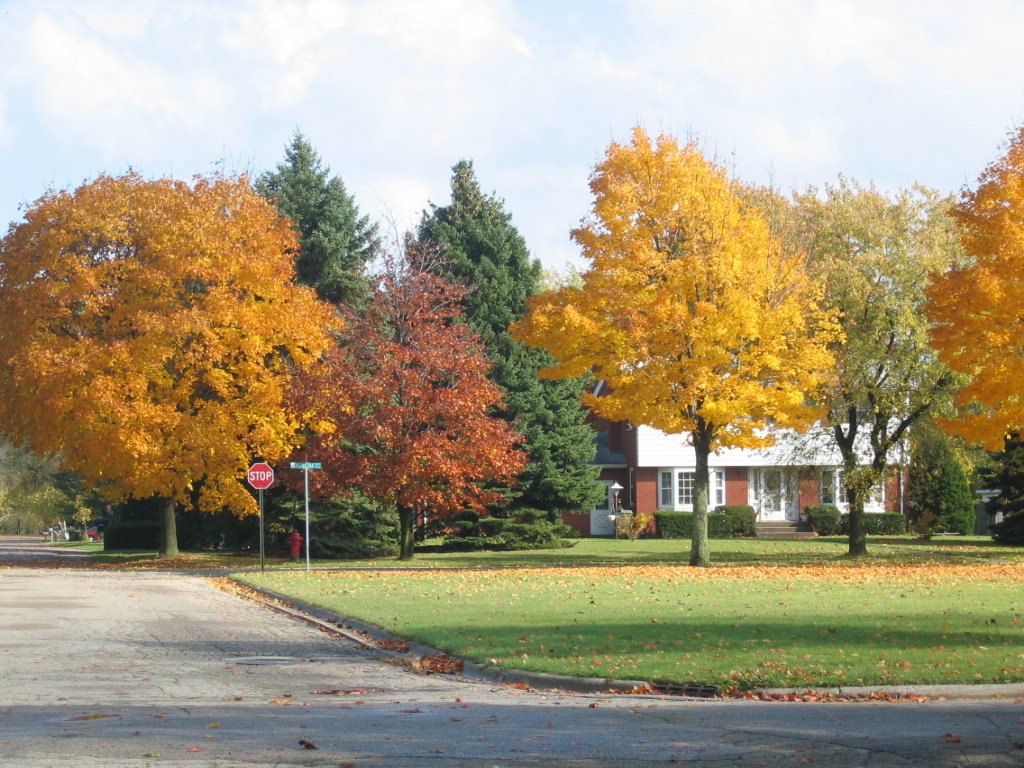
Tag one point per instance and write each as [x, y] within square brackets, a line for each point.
[261, 476]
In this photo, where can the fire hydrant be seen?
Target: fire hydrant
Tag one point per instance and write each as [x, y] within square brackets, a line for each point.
[295, 544]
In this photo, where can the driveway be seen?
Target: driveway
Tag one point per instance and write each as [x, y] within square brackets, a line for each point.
[110, 669]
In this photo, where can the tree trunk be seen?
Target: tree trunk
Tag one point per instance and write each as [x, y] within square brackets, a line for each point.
[407, 532]
[858, 546]
[168, 530]
[699, 554]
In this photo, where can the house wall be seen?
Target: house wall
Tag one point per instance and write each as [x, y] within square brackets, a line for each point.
[737, 485]
[646, 479]
[809, 490]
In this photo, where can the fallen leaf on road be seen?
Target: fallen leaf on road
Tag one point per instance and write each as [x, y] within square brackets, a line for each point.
[307, 744]
[951, 738]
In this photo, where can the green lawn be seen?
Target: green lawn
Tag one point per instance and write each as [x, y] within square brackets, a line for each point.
[818, 551]
[810, 626]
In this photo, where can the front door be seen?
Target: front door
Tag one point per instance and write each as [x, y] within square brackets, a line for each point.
[601, 523]
[773, 497]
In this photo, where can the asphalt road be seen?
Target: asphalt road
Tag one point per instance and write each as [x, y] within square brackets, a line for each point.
[105, 669]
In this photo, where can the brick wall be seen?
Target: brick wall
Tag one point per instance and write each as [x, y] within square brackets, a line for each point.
[737, 486]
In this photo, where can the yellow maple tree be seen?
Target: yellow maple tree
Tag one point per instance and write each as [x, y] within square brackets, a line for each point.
[977, 306]
[691, 311]
[149, 333]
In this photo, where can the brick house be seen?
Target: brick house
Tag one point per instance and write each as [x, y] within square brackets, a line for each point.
[656, 471]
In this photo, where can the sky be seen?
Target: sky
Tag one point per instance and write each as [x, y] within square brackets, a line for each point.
[392, 93]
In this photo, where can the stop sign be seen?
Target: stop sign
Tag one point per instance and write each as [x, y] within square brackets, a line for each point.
[261, 476]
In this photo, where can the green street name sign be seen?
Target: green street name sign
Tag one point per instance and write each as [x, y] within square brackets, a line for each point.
[306, 465]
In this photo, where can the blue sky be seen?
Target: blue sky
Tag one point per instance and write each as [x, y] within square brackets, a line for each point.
[394, 92]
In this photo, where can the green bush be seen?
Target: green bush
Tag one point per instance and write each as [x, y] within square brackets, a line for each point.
[824, 519]
[1010, 531]
[131, 534]
[887, 524]
[514, 529]
[741, 519]
[724, 523]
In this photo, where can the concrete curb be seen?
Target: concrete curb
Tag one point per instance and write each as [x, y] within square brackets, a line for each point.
[367, 635]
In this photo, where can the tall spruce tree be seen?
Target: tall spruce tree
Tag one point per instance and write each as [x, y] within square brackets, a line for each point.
[336, 242]
[482, 250]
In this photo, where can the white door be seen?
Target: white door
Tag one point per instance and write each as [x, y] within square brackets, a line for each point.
[601, 523]
[773, 499]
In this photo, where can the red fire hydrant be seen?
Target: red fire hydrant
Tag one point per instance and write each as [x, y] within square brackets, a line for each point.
[295, 544]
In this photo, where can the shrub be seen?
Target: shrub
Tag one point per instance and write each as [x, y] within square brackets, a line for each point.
[132, 534]
[518, 528]
[887, 524]
[738, 521]
[742, 519]
[824, 519]
[1010, 531]
[634, 526]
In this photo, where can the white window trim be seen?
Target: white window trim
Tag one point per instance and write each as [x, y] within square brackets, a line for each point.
[716, 489]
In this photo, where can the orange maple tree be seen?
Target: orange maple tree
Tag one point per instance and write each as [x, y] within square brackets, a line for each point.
[150, 331]
[977, 307]
[693, 313]
[403, 406]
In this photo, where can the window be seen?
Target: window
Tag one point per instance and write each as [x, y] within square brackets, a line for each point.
[685, 485]
[676, 489]
[604, 505]
[829, 487]
[666, 490]
[717, 487]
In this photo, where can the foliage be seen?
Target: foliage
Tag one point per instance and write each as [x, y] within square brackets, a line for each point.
[411, 427]
[1010, 531]
[522, 528]
[482, 251]
[151, 330]
[824, 519]
[977, 305]
[353, 527]
[1007, 475]
[132, 534]
[877, 254]
[335, 242]
[885, 524]
[35, 493]
[690, 311]
[939, 494]
[751, 627]
[721, 525]
[634, 525]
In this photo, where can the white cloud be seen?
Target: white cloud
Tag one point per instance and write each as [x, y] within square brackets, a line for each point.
[88, 88]
[291, 42]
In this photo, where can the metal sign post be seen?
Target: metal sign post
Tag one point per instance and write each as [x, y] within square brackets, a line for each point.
[305, 466]
[261, 476]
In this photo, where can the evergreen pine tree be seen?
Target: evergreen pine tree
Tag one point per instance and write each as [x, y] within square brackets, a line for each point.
[1008, 477]
[940, 495]
[481, 249]
[336, 242]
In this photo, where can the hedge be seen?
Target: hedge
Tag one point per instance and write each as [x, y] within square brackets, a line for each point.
[825, 519]
[725, 522]
[887, 524]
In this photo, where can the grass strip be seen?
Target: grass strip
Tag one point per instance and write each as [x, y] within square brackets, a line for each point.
[749, 627]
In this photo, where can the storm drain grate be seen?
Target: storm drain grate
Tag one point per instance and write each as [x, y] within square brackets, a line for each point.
[265, 661]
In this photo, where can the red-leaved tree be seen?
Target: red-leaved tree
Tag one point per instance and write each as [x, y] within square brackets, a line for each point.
[403, 404]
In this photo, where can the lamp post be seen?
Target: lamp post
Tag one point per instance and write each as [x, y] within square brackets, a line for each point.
[616, 489]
